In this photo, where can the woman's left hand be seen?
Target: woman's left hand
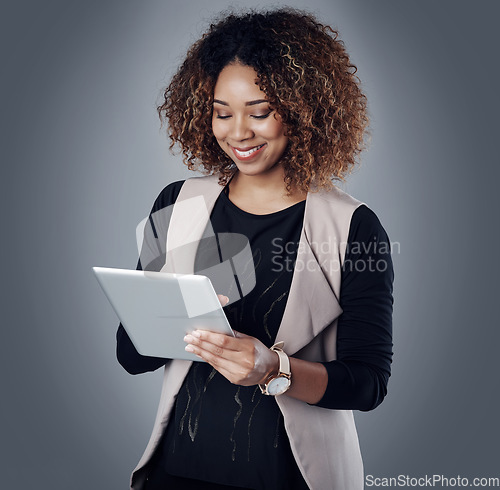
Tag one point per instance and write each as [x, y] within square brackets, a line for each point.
[242, 359]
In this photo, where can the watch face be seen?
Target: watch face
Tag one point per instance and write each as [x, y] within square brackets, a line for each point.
[278, 385]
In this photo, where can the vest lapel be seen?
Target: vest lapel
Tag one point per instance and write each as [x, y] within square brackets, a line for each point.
[311, 305]
[190, 222]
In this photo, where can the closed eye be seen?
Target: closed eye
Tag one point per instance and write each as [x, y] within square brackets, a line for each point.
[263, 116]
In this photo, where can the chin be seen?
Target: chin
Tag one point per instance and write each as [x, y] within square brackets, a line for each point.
[257, 169]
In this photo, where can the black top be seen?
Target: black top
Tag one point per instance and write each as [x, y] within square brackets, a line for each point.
[231, 430]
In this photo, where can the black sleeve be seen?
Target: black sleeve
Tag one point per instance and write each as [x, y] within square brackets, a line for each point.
[152, 257]
[358, 379]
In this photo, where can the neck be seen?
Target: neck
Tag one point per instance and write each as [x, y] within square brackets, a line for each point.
[271, 183]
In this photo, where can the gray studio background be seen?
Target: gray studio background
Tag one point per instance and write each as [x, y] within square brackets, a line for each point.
[83, 158]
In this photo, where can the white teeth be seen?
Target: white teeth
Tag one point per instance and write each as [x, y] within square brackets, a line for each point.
[244, 154]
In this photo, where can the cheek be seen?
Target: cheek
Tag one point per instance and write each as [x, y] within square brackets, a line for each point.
[217, 130]
[274, 129]
[277, 134]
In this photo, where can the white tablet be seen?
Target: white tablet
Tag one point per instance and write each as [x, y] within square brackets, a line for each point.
[157, 309]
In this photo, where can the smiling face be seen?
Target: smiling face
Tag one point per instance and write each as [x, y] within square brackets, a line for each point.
[244, 125]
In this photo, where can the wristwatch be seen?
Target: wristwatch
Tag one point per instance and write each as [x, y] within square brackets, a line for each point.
[278, 384]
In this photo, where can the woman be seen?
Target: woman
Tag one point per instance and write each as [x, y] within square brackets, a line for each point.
[269, 106]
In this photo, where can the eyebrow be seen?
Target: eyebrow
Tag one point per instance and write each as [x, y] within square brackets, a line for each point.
[250, 102]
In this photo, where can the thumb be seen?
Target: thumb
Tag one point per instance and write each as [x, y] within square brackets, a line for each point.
[224, 300]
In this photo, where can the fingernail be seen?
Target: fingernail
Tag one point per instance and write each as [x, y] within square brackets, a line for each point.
[188, 338]
[189, 348]
[196, 334]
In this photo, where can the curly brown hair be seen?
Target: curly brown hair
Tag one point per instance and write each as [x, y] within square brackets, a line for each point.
[306, 74]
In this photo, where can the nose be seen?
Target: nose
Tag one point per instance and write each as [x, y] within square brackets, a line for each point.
[241, 129]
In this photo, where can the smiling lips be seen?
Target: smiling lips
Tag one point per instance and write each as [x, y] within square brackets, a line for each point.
[247, 153]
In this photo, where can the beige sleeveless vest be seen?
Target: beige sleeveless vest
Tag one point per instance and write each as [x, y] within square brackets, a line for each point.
[323, 441]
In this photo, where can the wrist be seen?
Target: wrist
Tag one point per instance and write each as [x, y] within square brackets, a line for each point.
[279, 382]
[273, 368]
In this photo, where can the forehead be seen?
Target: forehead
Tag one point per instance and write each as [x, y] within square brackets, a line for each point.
[237, 82]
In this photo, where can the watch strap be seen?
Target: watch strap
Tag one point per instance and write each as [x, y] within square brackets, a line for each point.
[283, 369]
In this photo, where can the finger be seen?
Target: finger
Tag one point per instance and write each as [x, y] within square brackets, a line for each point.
[218, 340]
[228, 368]
[242, 359]
[224, 300]
[217, 349]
